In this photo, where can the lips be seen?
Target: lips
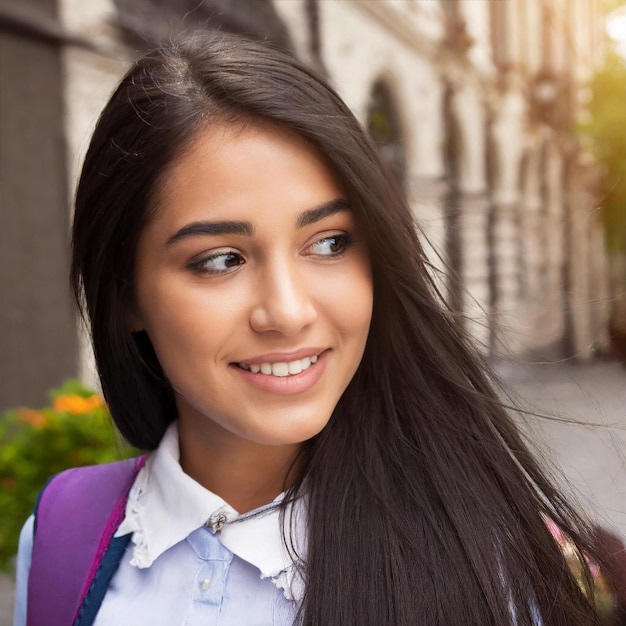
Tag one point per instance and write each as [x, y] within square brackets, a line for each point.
[287, 373]
[280, 368]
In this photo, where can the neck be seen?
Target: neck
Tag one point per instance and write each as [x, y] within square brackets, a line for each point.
[245, 474]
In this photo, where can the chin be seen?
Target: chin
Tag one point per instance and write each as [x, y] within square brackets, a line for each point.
[293, 434]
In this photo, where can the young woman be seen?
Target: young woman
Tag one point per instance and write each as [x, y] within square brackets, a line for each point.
[326, 448]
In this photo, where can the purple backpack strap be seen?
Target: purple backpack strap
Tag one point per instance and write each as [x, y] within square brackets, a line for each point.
[76, 518]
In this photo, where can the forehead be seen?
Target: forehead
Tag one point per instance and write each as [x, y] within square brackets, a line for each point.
[246, 169]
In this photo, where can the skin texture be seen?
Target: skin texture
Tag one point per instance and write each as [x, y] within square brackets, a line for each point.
[273, 289]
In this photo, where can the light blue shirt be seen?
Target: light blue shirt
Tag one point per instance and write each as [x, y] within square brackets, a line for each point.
[192, 560]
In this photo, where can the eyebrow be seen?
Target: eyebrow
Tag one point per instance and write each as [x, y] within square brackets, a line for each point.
[321, 212]
[230, 227]
[196, 229]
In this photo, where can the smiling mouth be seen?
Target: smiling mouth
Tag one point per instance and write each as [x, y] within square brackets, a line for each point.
[281, 370]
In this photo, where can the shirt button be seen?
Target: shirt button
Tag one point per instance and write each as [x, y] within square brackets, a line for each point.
[205, 584]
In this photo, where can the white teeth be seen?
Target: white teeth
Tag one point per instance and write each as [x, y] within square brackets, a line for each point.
[295, 367]
[281, 369]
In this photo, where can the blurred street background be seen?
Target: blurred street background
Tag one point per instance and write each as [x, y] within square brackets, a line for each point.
[503, 121]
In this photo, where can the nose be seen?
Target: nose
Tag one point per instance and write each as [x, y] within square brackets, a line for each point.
[284, 303]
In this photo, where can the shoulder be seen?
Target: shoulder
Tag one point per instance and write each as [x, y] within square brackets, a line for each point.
[94, 488]
[75, 518]
[24, 553]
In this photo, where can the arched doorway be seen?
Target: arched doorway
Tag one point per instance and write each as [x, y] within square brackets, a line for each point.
[384, 127]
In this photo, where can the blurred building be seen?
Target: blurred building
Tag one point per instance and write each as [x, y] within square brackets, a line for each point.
[472, 106]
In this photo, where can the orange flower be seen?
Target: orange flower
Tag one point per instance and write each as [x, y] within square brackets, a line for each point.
[32, 417]
[7, 484]
[76, 404]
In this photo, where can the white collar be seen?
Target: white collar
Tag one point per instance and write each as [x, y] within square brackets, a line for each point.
[165, 505]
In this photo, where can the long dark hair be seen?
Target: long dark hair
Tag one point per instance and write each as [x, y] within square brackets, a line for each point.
[425, 506]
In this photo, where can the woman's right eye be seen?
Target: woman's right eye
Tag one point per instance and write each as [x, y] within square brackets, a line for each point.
[217, 263]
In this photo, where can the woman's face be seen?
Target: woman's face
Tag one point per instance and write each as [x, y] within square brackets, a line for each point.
[254, 286]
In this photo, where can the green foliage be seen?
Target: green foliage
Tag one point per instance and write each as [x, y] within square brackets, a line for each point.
[76, 429]
[606, 130]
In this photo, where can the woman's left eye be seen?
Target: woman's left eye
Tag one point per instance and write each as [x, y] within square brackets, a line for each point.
[333, 246]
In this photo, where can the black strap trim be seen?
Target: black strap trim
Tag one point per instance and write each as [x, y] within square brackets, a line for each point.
[108, 567]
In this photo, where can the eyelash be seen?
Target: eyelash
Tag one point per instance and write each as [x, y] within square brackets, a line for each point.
[344, 240]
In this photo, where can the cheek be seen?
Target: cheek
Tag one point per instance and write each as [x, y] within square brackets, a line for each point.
[350, 300]
[359, 297]
[180, 327]
[179, 308]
